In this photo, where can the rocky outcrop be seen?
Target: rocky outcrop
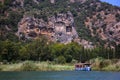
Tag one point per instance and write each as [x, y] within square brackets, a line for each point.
[113, 33]
[2, 1]
[52, 1]
[81, 1]
[95, 21]
[17, 3]
[59, 28]
[104, 24]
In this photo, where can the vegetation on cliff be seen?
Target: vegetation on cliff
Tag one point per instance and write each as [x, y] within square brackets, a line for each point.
[12, 12]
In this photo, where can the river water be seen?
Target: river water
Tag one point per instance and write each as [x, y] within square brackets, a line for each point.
[60, 75]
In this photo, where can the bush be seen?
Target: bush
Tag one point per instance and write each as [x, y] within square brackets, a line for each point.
[74, 61]
[60, 60]
[97, 62]
[5, 61]
[0, 68]
[104, 63]
[29, 66]
[68, 58]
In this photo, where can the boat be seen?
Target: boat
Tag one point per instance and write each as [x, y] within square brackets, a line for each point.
[82, 67]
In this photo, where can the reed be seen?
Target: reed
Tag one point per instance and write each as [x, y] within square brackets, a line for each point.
[35, 66]
[105, 64]
[98, 64]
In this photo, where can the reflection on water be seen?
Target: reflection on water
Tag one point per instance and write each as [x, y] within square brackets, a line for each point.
[60, 75]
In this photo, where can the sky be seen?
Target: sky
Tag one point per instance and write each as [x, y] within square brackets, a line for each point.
[113, 2]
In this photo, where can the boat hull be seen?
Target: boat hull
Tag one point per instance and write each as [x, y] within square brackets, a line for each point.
[83, 69]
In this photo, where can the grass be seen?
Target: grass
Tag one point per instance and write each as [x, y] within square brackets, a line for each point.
[35, 66]
[98, 64]
[53, 67]
[113, 67]
[10, 67]
[105, 64]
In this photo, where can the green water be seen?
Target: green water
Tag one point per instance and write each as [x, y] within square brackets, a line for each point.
[60, 75]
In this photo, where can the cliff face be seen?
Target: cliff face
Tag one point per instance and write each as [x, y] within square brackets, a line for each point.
[113, 33]
[58, 28]
[105, 23]
[86, 21]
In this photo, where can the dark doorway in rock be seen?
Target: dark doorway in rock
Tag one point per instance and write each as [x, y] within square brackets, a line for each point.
[68, 29]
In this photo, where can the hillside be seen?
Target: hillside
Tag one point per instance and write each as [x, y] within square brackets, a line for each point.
[89, 22]
[61, 31]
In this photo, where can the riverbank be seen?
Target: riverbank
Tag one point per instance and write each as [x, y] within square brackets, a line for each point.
[100, 64]
[35, 66]
[97, 64]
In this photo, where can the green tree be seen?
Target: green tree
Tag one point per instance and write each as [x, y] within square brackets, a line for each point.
[10, 51]
[117, 50]
[61, 60]
[23, 53]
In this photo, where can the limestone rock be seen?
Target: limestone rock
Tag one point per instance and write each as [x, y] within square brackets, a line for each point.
[59, 28]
